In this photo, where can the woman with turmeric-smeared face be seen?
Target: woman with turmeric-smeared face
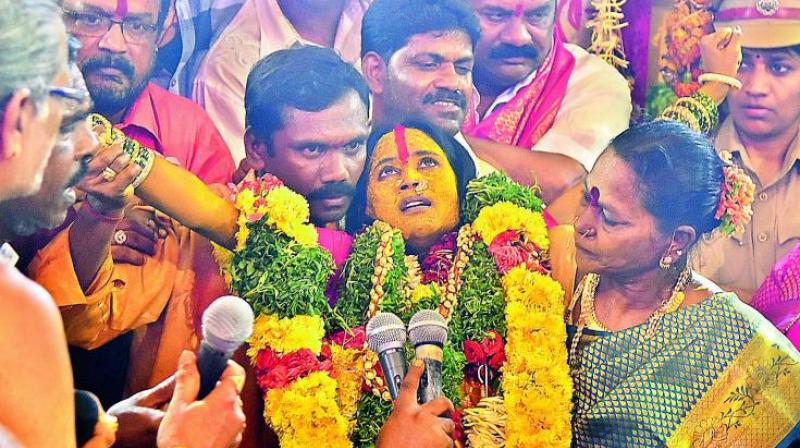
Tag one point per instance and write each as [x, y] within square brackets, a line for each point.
[414, 180]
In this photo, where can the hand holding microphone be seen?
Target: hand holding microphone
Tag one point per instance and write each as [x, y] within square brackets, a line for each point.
[428, 332]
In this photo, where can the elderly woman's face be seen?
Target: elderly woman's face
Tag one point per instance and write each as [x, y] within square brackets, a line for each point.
[614, 233]
[412, 187]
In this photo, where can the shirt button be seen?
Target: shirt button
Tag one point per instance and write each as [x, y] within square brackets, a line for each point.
[762, 237]
[763, 196]
[172, 83]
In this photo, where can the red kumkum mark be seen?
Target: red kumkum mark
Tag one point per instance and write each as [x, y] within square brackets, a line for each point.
[518, 10]
[402, 147]
[594, 193]
[122, 9]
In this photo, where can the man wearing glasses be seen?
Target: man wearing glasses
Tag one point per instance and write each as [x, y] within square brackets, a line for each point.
[118, 50]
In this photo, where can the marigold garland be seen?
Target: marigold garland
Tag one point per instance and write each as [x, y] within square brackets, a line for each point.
[490, 280]
[279, 268]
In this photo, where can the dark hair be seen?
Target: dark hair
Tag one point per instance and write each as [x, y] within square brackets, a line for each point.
[458, 157]
[389, 24]
[304, 77]
[679, 173]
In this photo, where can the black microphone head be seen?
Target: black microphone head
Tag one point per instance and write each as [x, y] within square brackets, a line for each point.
[227, 323]
[385, 331]
[427, 327]
[87, 413]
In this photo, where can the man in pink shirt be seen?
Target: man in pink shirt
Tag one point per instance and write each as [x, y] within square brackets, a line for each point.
[118, 49]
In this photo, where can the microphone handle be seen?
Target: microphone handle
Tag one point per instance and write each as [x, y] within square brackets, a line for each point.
[393, 363]
[430, 385]
[210, 363]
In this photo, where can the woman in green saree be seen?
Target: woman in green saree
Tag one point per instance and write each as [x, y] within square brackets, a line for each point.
[659, 355]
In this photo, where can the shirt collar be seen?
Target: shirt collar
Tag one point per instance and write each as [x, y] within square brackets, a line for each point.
[510, 93]
[142, 113]
[727, 139]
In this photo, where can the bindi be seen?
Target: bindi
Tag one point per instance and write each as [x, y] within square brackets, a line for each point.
[594, 197]
[518, 10]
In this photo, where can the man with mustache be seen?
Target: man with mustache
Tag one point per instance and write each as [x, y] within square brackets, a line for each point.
[118, 51]
[259, 28]
[417, 57]
[547, 108]
[307, 119]
[762, 134]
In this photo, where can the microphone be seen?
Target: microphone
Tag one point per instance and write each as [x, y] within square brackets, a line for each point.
[227, 323]
[87, 414]
[386, 336]
[427, 330]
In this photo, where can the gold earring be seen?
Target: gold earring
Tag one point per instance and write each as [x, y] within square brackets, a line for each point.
[665, 262]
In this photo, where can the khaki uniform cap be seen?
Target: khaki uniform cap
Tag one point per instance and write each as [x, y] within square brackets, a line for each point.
[764, 23]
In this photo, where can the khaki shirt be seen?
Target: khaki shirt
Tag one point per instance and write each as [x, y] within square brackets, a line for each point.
[744, 260]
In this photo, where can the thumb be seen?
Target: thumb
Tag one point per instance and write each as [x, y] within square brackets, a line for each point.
[187, 380]
[407, 396]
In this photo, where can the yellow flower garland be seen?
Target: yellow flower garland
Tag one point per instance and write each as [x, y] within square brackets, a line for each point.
[536, 381]
[503, 216]
[319, 409]
[306, 413]
[286, 335]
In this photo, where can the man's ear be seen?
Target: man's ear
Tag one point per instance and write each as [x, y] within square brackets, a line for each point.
[374, 69]
[17, 114]
[256, 151]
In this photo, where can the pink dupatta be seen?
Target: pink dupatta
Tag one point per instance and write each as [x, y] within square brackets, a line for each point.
[778, 298]
[530, 114]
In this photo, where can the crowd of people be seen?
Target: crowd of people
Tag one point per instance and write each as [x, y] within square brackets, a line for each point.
[681, 296]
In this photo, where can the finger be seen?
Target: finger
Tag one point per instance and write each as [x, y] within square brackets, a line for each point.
[131, 224]
[438, 406]
[448, 426]
[724, 37]
[187, 380]
[121, 162]
[407, 397]
[103, 159]
[225, 394]
[159, 395]
[137, 242]
[122, 254]
[235, 373]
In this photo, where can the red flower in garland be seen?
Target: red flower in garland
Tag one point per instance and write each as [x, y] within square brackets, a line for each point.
[355, 338]
[490, 351]
[439, 259]
[275, 371]
[495, 350]
[474, 352]
[509, 251]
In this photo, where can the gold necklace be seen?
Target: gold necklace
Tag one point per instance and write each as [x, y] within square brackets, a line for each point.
[586, 292]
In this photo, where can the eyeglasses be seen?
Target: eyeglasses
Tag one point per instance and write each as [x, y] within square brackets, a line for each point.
[76, 98]
[134, 31]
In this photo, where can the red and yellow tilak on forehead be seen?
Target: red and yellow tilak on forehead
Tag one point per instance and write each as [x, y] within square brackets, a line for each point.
[122, 10]
[400, 140]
